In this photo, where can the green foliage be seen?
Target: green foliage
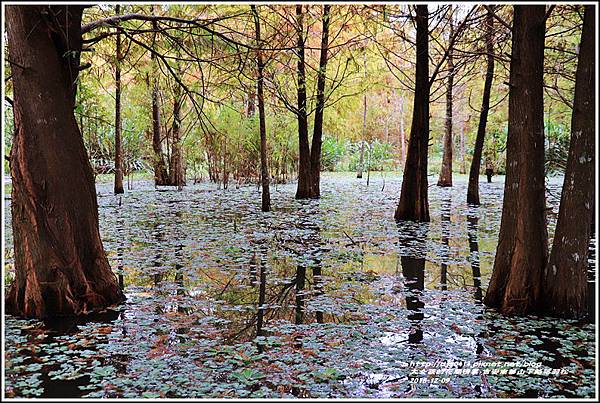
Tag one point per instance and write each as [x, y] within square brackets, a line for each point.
[557, 146]
[377, 156]
[333, 152]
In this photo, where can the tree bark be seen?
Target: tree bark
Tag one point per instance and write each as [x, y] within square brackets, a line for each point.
[565, 285]
[251, 106]
[161, 176]
[473, 187]
[176, 157]
[361, 161]
[445, 179]
[402, 132]
[118, 121]
[414, 204]
[304, 171]
[60, 265]
[317, 140]
[463, 162]
[176, 166]
[264, 169]
[515, 286]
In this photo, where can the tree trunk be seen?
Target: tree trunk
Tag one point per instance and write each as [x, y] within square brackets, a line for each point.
[161, 176]
[60, 264]
[473, 187]
[317, 140]
[414, 204]
[264, 169]
[515, 286]
[118, 121]
[304, 171]
[445, 179]
[565, 286]
[251, 106]
[463, 162]
[402, 132]
[361, 161]
[176, 166]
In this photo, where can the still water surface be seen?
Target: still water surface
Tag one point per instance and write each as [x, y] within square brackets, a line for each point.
[319, 298]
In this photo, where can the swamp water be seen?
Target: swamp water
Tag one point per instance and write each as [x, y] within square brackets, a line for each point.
[318, 298]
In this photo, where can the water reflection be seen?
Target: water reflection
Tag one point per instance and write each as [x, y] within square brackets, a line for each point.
[413, 270]
[262, 291]
[232, 283]
[300, 282]
[445, 215]
[472, 228]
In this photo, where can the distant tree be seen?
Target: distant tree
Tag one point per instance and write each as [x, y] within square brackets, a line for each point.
[118, 188]
[317, 139]
[414, 203]
[445, 178]
[161, 175]
[304, 172]
[473, 187]
[264, 169]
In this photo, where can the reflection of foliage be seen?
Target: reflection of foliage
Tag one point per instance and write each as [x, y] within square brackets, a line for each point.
[188, 327]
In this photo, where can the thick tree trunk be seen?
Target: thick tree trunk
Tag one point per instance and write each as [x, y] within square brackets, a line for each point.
[304, 172]
[473, 187]
[161, 176]
[60, 264]
[565, 286]
[445, 178]
[414, 204]
[515, 286]
[264, 169]
[317, 140]
[118, 121]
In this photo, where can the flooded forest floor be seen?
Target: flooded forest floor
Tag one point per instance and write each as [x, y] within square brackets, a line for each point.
[318, 298]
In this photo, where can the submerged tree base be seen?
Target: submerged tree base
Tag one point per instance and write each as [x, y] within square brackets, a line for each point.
[63, 297]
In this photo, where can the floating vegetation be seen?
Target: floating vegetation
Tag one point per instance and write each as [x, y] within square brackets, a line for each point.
[320, 298]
